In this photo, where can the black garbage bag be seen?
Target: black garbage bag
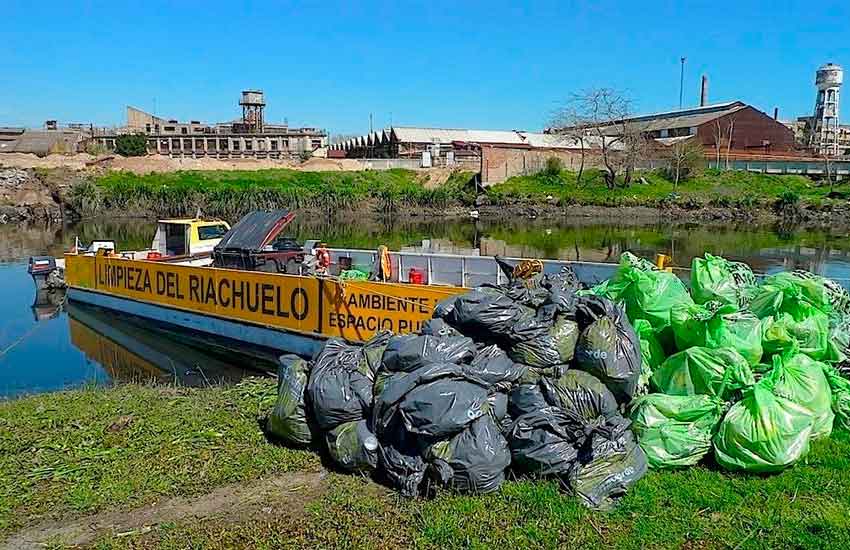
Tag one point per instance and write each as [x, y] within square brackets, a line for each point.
[288, 420]
[408, 352]
[608, 465]
[581, 393]
[498, 411]
[442, 408]
[486, 314]
[491, 367]
[473, 461]
[373, 351]
[544, 442]
[353, 447]
[438, 327]
[394, 388]
[340, 385]
[525, 398]
[608, 347]
[400, 462]
[555, 345]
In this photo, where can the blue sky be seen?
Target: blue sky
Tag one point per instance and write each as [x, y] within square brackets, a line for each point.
[493, 64]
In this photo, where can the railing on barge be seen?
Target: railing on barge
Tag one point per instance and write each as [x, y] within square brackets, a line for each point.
[462, 270]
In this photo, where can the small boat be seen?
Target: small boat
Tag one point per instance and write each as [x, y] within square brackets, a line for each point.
[254, 287]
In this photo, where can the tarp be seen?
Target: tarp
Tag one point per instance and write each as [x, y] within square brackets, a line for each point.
[255, 230]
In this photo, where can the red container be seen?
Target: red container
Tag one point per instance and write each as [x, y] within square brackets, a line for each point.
[416, 276]
[154, 256]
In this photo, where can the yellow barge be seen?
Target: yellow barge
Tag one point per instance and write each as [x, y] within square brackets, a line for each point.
[272, 308]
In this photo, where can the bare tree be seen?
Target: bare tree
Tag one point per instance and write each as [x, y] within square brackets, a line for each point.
[569, 125]
[684, 159]
[722, 137]
[598, 115]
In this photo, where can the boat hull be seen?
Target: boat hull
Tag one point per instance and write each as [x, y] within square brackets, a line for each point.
[288, 313]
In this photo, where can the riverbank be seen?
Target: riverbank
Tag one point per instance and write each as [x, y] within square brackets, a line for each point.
[713, 196]
[161, 467]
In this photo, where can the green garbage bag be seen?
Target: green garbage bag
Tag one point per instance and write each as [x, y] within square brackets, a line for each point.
[675, 430]
[288, 420]
[810, 335]
[802, 380]
[649, 294]
[352, 446]
[651, 353]
[785, 292]
[703, 371]
[716, 279]
[840, 388]
[717, 326]
[763, 432]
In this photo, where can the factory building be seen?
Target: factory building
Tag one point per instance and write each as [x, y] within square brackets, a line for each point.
[496, 154]
[734, 125]
[249, 136]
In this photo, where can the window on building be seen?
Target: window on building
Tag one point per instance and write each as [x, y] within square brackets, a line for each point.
[163, 143]
[211, 143]
[261, 145]
[147, 128]
[222, 144]
[169, 128]
[184, 130]
[199, 144]
[316, 143]
[274, 145]
[249, 145]
[187, 144]
[156, 128]
[175, 143]
[235, 144]
[285, 144]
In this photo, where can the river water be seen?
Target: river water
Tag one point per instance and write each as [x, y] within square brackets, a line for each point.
[51, 345]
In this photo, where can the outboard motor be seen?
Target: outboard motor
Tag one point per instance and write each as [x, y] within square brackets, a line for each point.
[44, 272]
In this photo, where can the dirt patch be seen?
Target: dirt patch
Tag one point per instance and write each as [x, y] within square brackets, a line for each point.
[286, 494]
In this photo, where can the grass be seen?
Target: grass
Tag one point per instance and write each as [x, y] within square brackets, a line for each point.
[713, 188]
[804, 507]
[230, 194]
[82, 451]
[59, 458]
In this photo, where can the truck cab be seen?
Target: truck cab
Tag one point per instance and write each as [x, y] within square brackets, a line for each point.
[188, 237]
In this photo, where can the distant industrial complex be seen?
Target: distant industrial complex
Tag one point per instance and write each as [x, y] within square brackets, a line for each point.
[744, 133]
[248, 137]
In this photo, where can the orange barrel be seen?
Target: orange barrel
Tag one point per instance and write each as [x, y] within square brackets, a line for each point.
[416, 276]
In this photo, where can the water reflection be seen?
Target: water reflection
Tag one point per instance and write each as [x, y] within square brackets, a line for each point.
[45, 345]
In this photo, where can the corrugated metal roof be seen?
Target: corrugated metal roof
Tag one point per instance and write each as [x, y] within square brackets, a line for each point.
[408, 134]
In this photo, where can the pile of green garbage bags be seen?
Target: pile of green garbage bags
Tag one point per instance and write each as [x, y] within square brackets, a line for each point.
[747, 371]
[589, 386]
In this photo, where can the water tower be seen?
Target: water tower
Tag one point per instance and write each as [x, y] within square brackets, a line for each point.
[824, 126]
[253, 103]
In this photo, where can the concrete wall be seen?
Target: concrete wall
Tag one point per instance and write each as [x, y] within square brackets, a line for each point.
[501, 163]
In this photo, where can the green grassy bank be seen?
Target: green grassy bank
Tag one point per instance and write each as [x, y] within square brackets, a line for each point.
[73, 453]
[713, 188]
[230, 194]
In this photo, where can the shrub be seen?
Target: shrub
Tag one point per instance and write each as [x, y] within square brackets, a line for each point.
[131, 145]
[553, 167]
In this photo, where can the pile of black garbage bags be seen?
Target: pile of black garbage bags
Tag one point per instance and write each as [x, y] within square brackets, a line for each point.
[522, 379]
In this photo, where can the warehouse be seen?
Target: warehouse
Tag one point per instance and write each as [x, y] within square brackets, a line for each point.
[733, 125]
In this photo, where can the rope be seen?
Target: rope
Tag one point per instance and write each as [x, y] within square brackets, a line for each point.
[14, 344]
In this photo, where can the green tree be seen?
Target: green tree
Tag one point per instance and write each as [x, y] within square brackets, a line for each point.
[131, 145]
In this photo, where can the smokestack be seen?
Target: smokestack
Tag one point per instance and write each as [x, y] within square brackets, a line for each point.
[776, 113]
[703, 92]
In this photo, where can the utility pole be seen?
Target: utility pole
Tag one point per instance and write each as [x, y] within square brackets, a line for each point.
[682, 82]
